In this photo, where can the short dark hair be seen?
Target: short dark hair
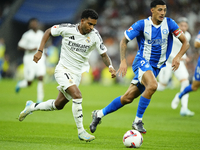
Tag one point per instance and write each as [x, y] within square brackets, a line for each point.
[32, 19]
[157, 2]
[89, 13]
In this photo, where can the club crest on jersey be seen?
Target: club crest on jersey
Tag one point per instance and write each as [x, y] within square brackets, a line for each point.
[130, 29]
[165, 31]
[88, 40]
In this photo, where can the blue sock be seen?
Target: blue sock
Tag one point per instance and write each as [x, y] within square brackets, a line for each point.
[113, 106]
[185, 91]
[143, 104]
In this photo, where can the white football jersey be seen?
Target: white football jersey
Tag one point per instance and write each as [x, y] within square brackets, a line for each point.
[177, 45]
[76, 48]
[31, 40]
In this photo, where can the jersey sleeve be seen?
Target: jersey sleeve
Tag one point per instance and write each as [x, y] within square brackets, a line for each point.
[134, 30]
[57, 30]
[174, 28]
[23, 41]
[198, 37]
[101, 48]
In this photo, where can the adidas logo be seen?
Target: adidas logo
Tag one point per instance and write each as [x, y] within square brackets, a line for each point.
[72, 37]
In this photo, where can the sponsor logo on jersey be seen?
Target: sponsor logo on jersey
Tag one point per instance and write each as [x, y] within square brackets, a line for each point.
[130, 29]
[78, 47]
[88, 40]
[157, 41]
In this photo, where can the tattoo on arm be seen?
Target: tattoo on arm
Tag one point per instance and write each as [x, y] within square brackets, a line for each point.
[123, 46]
[106, 59]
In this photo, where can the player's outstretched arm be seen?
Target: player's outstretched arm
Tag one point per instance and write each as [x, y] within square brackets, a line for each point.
[196, 44]
[45, 38]
[184, 48]
[123, 65]
[108, 63]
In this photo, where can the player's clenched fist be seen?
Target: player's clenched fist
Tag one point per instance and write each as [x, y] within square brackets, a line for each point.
[37, 56]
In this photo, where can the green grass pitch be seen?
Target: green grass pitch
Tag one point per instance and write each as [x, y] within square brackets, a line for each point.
[56, 130]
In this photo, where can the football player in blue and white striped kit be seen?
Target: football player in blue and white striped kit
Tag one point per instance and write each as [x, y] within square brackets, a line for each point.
[154, 37]
[196, 79]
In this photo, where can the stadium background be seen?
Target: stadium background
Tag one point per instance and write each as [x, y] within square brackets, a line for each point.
[115, 16]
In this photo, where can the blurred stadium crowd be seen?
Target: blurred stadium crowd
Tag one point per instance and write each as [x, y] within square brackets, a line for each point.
[115, 16]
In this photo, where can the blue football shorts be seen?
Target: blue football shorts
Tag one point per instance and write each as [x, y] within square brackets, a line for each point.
[140, 66]
[197, 71]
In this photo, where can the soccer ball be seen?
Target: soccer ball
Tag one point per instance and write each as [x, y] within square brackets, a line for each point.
[132, 139]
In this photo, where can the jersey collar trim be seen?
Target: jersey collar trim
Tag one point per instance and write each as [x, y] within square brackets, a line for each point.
[156, 26]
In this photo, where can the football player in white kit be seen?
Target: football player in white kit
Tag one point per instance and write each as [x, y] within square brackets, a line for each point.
[196, 78]
[79, 40]
[181, 73]
[29, 43]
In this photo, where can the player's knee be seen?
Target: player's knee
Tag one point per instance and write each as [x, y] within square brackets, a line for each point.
[194, 88]
[29, 83]
[152, 87]
[40, 78]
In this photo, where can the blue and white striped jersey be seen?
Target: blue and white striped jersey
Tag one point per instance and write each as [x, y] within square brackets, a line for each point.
[154, 41]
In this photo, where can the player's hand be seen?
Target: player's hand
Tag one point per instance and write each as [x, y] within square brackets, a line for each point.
[37, 56]
[113, 72]
[175, 63]
[122, 69]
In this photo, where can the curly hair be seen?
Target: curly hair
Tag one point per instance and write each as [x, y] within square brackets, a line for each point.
[89, 13]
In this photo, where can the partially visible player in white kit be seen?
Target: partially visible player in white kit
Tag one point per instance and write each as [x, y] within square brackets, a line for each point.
[181, 73]
[29, 43]
[196, 78]
[79, 40]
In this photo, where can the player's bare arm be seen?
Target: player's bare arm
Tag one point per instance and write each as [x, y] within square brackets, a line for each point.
[123, 65]
[108, 63]
[196, 44]
[45, 38]
[184, 48]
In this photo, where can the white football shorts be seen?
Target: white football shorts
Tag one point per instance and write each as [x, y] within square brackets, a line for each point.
[66, 78]
[166, 73]
[33, 69]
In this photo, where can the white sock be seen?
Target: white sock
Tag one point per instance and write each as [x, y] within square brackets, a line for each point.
[40, 91]
[184, 99]
[23, 83]
[160, 87]
[78, 114]
[137, 119]
[48, 105]
[100, 114]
